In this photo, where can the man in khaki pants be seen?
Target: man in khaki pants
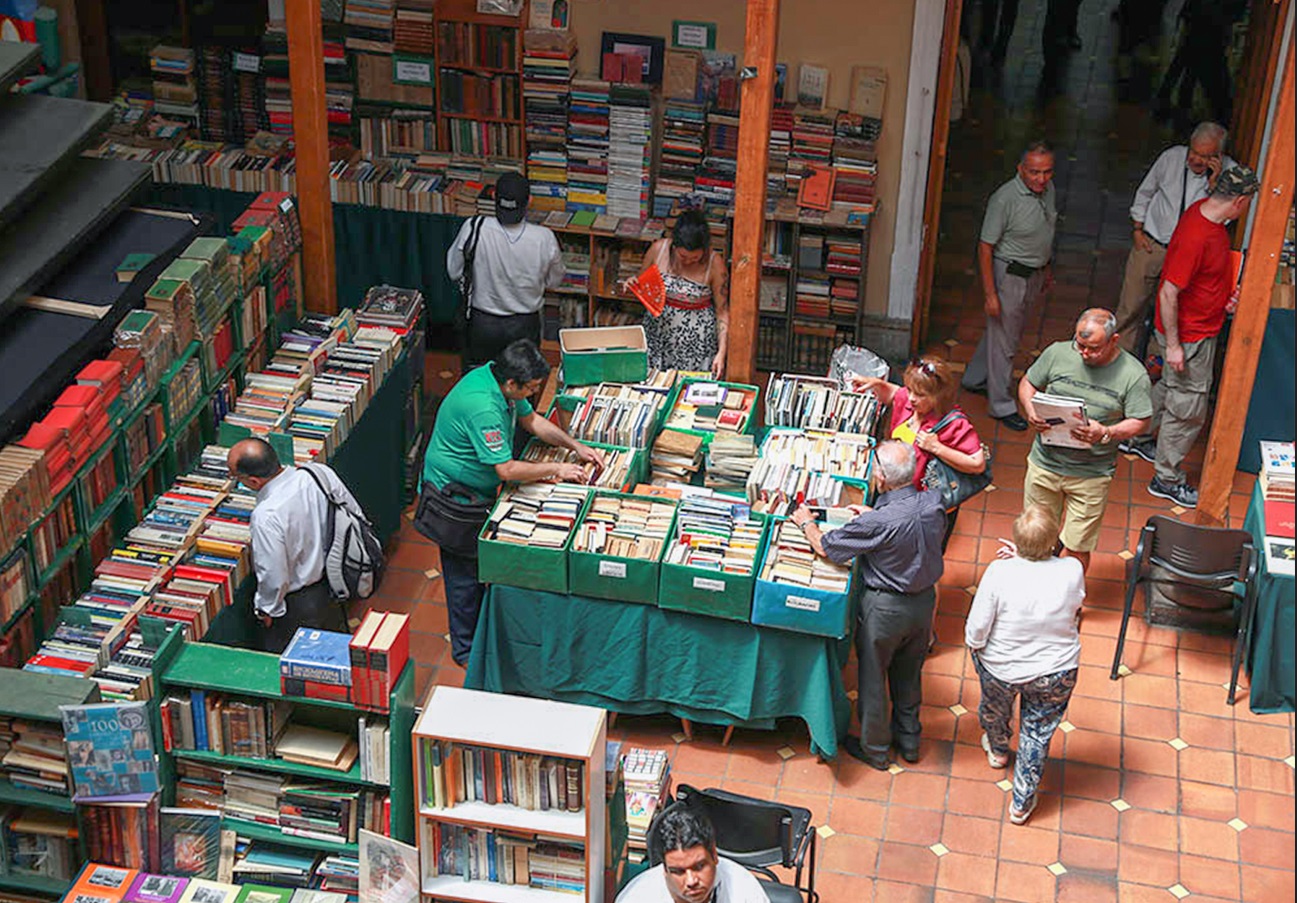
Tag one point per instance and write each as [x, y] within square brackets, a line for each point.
[1198, 289]
[1181, 176]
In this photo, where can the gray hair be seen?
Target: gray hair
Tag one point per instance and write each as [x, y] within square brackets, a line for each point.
[1039, 146]
[1210, 131]
[1105, 319]
[894, 460]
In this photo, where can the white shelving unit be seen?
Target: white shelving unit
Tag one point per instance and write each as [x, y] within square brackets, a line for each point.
[515, 724]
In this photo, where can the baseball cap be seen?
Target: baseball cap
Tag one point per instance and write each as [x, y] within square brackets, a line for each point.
[1237, 181]
[511, 193]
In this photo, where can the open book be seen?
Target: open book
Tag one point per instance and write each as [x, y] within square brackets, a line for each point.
[1063, 414]
[649, 289]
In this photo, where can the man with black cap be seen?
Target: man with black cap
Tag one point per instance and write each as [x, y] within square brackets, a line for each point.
[513, 263]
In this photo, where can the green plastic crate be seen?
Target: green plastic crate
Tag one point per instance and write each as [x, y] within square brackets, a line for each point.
[610, 577]
[635, 474]
[676, 393]
[616, 354]
[712, 593]
[514, 564]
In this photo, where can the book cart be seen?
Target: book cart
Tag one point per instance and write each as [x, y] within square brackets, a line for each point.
[253, 675]
[452, 718]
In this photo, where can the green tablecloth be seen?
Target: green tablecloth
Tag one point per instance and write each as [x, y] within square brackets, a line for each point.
[640, 659]
[1273, 635]
[372, 245]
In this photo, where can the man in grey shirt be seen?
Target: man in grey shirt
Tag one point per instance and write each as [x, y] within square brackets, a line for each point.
[1016, 246]
[514, 263]
[897, 545]
[1181, 176]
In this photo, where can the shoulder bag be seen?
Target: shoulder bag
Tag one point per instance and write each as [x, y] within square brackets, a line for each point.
[452, 517]
[955, 486]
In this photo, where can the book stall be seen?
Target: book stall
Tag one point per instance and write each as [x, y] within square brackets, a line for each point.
[1270, 521]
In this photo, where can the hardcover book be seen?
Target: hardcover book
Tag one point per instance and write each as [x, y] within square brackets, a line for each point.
[203, 891]
[191, 842]
[103, 882]
[110, 749]
[318, 655]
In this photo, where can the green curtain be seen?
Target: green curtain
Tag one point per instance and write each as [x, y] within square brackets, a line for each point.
[372, 245]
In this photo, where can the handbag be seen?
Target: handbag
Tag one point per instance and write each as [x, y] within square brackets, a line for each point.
[955, 486]
[449, 521]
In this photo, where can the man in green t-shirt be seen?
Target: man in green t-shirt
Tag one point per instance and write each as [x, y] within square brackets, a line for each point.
[1115, 389]
[471, 453]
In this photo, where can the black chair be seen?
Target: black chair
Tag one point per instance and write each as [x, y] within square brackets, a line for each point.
[1198, 569]
[757, 834]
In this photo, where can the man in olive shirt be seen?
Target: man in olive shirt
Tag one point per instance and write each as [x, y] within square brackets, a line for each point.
[1115, 389]
[1014, 252]
[471, 451]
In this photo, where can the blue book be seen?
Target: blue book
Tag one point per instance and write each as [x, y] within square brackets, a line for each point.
[110, 749]
[198, 700]
[318, 655]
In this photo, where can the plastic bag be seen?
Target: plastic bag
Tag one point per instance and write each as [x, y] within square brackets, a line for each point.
[852, 360]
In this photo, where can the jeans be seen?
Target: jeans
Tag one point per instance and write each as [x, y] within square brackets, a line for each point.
[463, 602]
[1044, 702]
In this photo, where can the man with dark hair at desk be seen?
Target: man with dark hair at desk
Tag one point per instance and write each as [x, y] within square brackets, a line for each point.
[898, 546]
[470, 454]
[288, 552]
[690, 871]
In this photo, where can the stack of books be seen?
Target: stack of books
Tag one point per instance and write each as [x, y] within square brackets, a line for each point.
[715, 181]
[730, 459]
[615, 473]
[225, 281]
[587, 146]
[624, 527]
[615, 414]
[174, 92]
[647, 776]
[387, 306]
[412, 30]
[128, 676]
[184, 390]
[536, 514]
[855, 160]
[710, 407]
[378, 651]
[781, 140]
[812, 145]
[24, 489]
[812, 294]
[369, 25]
[35, 757]
[274, 868]
[676, 456]
[799, 467]
[630, 151]
[683, 128]
[548, 64]
[715, 533]
[454, 773]
[316, 664]
[1279, 495]
[791, 560]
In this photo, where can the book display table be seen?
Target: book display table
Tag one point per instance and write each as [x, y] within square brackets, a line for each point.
[640, 660]
[1272, 641]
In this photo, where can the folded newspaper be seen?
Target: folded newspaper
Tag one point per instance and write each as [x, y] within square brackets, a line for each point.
[1063, 415]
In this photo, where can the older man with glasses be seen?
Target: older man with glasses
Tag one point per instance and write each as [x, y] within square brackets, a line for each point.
[1073, 483]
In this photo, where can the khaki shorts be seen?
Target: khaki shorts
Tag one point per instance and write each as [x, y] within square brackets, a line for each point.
[1078, 502]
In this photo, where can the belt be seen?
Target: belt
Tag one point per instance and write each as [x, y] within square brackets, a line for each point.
[1154, 240]
[688, 305]
[894, 592]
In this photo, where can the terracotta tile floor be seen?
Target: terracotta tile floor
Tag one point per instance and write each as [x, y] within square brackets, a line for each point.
[1155, 789]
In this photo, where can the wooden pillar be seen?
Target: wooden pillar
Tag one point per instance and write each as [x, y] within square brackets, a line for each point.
[760, 35]
[311, 140]
[936, 173]
[1273, 201]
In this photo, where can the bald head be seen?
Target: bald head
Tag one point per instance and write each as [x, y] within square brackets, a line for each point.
[1096, 319]
[894, 461]
[254, 461]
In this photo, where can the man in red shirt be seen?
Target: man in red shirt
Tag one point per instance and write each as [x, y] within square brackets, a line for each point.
[1197, 291]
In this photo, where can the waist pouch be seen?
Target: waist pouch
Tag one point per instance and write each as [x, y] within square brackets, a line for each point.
[451, 522]
[1020, 269]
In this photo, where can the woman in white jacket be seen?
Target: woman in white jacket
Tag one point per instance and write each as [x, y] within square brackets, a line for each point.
[1022, 630]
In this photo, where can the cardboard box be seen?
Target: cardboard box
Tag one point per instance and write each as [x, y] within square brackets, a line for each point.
[599, 354]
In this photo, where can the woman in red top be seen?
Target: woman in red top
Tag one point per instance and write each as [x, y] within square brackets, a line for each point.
[920, 405]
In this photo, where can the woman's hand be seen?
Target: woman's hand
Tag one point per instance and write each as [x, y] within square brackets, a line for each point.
[1008, 548]
[926, 440]
[718, 365]
[863, 383]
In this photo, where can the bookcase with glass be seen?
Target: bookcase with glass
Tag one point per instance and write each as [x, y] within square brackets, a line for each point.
[283, 769]
[510, 798]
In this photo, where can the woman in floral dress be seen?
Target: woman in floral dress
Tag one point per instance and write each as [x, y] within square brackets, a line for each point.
[692, 332]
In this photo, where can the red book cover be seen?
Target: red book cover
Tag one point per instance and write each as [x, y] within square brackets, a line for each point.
[363, 692]
[1279, 519]
[816, 189]
[612, 67]
[71, 419]
[649, 290]
[44, 436]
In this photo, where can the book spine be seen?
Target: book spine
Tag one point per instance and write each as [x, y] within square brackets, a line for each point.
[199, 708]
[338, 675]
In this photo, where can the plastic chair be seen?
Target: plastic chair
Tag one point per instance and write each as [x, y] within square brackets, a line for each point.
[758, 834]
[1202, 567]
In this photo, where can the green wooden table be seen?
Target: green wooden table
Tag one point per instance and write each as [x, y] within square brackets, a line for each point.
[640, 659]
[1271, 641]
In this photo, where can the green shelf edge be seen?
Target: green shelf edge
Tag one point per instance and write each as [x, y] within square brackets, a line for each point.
[36, 883]
[255, 831]
[37, 799]
[63, 556]
[351, 776]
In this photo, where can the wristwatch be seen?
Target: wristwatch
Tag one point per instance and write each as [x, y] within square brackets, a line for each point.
[1107, 436]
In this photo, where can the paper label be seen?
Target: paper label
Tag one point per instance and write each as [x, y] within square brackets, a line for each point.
[413, 71]
[802, 603]
[286, 205]
[691, 36]
[612, 569]
[246, 62]
[713, 586]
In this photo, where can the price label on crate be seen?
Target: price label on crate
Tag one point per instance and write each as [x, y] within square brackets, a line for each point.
[612, 569]
[246, 62]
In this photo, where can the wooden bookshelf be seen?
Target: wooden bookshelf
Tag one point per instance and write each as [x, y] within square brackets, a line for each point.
[521, 725]
[461, 16]
[252, 674]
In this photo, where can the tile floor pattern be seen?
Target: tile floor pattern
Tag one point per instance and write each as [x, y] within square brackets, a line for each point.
[1156, 789]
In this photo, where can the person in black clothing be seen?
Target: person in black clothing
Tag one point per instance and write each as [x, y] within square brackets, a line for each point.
[897, 544]
[1201, 59]
[998, 19]
[1060, 26]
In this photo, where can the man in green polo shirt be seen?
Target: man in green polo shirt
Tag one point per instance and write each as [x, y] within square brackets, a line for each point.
[1016, 246]
[1114, 386]
[471, 453]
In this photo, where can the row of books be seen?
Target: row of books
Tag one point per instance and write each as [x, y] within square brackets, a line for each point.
[624, 527]
[711, 407]
[503, 857]
[799, 467]
[791, 560]
[817, 403]
[34, 755]
[227, 725]
[101, 883]
[715, 534]
[615, 414]
[536, 514]
[614, 474]
[457, 773]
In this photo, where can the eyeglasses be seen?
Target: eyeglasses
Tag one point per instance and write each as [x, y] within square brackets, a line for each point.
[1090, 350]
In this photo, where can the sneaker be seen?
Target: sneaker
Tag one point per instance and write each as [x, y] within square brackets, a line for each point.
[1020, 818]
[1144, 448]
[1182, 494]
[995, 759]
